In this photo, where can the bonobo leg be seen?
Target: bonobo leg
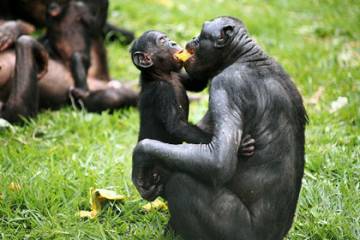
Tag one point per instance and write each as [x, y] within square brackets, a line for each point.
[30, 66]
[202, 212]
[79, 65]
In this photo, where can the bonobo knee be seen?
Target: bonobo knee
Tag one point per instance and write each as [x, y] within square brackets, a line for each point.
[25, 41]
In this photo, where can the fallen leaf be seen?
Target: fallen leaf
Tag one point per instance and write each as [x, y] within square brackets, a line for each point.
[98, 197]
[155, 205]
[339, 103]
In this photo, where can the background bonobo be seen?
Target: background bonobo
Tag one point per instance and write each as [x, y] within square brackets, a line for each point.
[164, 104]
[34, 12]
[71, 30]
[213, 193]
[67, 41]
[68, 38]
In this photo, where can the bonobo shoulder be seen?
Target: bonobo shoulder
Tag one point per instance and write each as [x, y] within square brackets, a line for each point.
[232, 76]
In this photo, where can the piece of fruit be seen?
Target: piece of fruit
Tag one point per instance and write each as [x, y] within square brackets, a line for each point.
[183, 55]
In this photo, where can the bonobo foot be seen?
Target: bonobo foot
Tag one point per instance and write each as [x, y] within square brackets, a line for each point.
[105, 99]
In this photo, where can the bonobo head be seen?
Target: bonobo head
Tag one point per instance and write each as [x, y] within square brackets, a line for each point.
[219, 44]
[69, 25]
[154, 53]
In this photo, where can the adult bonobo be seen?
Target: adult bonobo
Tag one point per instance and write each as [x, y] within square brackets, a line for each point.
[214, 193]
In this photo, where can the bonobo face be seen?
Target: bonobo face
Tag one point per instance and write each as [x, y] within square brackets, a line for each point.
[155, 52]
[211, 48]
[68, 27]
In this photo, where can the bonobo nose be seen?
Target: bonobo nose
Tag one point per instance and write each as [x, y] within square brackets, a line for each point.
[190, 46]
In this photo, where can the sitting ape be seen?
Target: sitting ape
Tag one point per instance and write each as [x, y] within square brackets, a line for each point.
[213, 193]
[163, 102]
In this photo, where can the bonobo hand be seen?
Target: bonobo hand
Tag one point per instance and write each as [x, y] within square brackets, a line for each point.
[247, 147]
[145, 176]
[11, 30]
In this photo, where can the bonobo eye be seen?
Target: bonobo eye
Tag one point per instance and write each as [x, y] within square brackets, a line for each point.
[162, 40]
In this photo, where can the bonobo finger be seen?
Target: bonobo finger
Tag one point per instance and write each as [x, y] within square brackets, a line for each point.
[249, 142]
[247, 154]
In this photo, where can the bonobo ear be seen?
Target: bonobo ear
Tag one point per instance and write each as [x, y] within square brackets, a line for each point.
[142, 59]
[225, 35]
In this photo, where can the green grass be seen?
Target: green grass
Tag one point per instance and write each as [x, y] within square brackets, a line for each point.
[57, 157]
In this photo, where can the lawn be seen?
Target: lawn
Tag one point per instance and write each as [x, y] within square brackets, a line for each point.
[57, 157]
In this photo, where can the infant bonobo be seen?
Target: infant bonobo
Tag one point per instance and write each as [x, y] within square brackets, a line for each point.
[164, 104]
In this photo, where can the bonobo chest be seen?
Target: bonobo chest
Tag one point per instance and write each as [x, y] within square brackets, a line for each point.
[180, 94]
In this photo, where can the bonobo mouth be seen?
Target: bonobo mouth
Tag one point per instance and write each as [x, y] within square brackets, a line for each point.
[183, 55]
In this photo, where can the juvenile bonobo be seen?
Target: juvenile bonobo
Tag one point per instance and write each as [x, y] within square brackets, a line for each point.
[68, 37]
[213, 193]
[164, 104]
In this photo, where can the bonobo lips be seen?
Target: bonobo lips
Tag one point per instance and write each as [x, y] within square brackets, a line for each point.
[183, 55]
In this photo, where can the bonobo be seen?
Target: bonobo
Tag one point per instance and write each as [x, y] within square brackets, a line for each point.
[34, 12]
[214, 193]
[164, 104]
[68, 40]
[68, 46]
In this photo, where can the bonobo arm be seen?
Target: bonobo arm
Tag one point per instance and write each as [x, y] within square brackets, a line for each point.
[192, 84]
[174, 118]
[214, 162]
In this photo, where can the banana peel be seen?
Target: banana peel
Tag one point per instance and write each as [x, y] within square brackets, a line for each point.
[15, 187]
[98, 197]
[183, 55]
[155, 205]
